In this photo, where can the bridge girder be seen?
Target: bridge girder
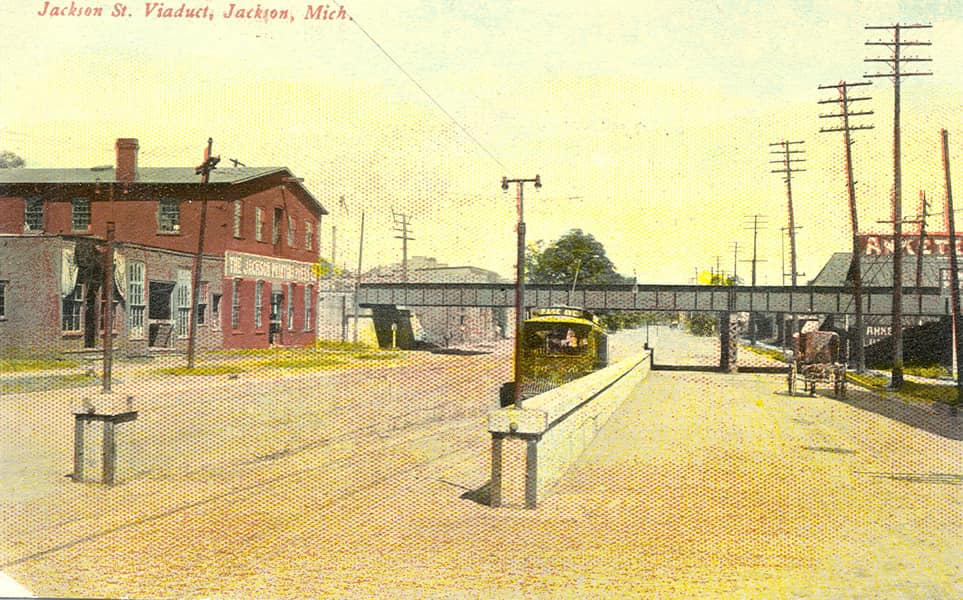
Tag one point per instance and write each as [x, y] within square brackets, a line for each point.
[660, 298]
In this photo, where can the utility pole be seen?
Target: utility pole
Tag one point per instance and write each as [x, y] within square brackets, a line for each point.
[756, 224]
[924, 206]
[401, 223]
[954, 268]
[788, 162]
[204, 170]
[109, 310]
[735, 261]
[895, 63]
[520, 278]
[844, 100]
[357, 281]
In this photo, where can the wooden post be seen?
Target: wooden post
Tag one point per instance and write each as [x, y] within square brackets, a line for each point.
[495, 486]
[79, 424]
[531, 472]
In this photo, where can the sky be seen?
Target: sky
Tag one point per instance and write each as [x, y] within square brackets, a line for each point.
[649, 123]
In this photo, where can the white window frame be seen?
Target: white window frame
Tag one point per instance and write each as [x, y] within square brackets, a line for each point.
[238, 218]
[291, 231]
[259, 224]
[307, 307]
[80, 214]
[33, 210]
[168, 215]
[136, 299]
[308, 235]
[182, 303]
[77, 310]
[236, 304]
[290, 307]
[258, 304]
[216, 300]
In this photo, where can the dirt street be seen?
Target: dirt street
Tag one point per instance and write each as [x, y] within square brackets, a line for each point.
[364, 483]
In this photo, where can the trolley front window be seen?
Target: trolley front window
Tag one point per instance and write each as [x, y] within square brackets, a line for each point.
[556, 338]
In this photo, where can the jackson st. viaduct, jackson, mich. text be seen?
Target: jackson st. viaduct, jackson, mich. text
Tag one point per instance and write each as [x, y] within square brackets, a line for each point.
[183, 10]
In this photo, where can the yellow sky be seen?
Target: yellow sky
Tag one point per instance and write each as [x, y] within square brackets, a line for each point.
[649, 125]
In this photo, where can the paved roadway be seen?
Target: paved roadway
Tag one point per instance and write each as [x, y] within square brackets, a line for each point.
[363, 484]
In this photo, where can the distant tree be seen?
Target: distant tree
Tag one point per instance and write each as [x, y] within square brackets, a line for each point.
[9, 160]
[578, 258]
[574, 254]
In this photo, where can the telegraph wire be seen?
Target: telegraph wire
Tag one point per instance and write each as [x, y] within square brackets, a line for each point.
[425, 92]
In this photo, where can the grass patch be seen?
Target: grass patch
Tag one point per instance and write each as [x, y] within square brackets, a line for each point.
[767, 352]
[342, 346]
[204, 370]
[377, 355]
[20, 365]
[910, 390]
[321, 361]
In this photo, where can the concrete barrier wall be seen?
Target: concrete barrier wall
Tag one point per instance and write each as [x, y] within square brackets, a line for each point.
[557, 426]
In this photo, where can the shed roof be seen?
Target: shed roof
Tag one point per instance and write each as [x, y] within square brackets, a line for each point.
[877, 270]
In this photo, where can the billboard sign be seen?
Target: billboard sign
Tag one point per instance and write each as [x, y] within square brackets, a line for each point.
[934, 244]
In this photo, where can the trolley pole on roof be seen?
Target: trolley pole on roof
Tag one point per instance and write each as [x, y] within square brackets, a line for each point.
[519, 279]
[204, 170]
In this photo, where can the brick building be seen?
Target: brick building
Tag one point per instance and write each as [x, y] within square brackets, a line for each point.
[257, 286]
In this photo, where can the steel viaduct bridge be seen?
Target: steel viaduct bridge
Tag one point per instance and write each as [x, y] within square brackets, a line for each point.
[877, 301]
[723, 300]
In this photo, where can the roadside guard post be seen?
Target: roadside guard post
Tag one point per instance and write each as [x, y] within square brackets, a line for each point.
[110, 413]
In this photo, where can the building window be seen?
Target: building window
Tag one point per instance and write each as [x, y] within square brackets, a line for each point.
[201, 314]
[307, 307]
[135, 299]
[237, 218]
[80, 214]
[182, 300]
[236, 304]
[72, 306]
[33, 214]
[258, 306]
[168, 216]
[308, 235]
[290, 306]
[276, 226]
[290, 231]
[216, 311]
[259, 224]
[3, 299]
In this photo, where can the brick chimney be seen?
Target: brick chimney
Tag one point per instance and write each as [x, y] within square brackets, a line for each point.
[126, 159]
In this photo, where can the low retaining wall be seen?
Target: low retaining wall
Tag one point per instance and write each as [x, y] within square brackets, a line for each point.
[534, 445]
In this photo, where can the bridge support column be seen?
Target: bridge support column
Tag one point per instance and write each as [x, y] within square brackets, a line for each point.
[728, 334]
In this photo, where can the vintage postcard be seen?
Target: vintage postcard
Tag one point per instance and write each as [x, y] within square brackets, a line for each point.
[435, 299]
